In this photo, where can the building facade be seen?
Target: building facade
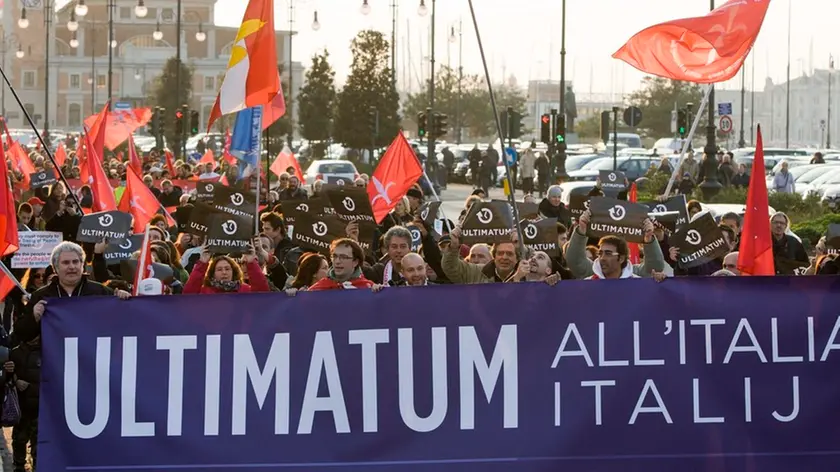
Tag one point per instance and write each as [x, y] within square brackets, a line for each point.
[78, 61]
[544, 96]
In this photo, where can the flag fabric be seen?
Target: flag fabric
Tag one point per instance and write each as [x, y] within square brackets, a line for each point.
[144, 263]
[208, 157]
[84, 168]
[245, 143]
[397, 171]
[705, 49]
[103, 193]
[274, 111]
[285, 160]
[251, 79]
[9, 242]
[755, 255]
[633, 248]
[139, 201]
[22, 163]
[133, 158]
[6, 285]
[60, 155]
[169, 162]
[97, 129]
[119, 124]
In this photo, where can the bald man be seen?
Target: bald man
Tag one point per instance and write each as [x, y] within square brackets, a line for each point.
[730, 263]
[413, 270]
[479, 255]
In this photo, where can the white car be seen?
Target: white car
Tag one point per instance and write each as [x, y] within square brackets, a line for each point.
[331, 171]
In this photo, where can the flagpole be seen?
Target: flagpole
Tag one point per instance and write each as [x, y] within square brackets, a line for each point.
[13, 278]
[437, 199]
[140, 261]
[512, 196]
[688, 139]
[40, 139]
[258, 110]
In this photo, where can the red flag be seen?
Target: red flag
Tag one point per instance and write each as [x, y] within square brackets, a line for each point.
[397, 171]
[274, 111]
[208, 158]
[22, 163]
[97, 126]
[6, 285]
[138, 201]
[133, 159]
[60, 155]
[119, 125]
[285, 160]
[9, 242]
[103, 193]
[705, 49]
[84, 168]
[144, 263]
[755, 256]
[169, 163]
[226, 155]
[633, 247]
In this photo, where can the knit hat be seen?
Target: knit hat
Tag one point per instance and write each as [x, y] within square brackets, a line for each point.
[413, 192]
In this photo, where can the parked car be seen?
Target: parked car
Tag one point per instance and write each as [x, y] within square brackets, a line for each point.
[330, 171]
[632, 166]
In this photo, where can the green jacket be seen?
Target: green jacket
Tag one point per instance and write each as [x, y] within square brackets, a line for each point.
[581, 267]
[459, 271]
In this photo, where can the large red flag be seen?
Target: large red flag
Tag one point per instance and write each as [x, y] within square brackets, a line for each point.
[632, 196]
[169, 163]
[9, 242]
[285, 160]
[397, 171]
[97, 129]
[103, 193]
[60, 155]
[22, 163]
[119, 125]
[755, 256]
[705, 49]
[208, 157]
[133, 159]
[139, 201]
[274, 110]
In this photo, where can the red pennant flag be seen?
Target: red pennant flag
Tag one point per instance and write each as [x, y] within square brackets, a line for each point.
[84, 168]
[97, 126]
[9, 242]
[208, 157]
[397, 171]
[133, 159]
[704, 50]
[103, 193]
[285, 160]
[119, 125]
[60, 155]
[22, 163]
[169, 163]
[632, 196]
[138, 201]
[755, 255]
[144, 263]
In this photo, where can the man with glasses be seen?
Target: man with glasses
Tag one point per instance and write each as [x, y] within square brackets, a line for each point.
[292, 190]
[346, 272]
[788, 252]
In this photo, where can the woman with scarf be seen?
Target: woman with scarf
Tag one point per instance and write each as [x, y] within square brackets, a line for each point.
[311, 269]
[221, 274]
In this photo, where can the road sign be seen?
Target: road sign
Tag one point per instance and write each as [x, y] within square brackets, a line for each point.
[122, 106]
[725, 124]
[674, 121]
[632, 116]
[511, 155]
[724, 108]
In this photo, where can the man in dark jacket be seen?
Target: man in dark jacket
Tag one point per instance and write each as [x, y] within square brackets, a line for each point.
[475, 165]
[66, 220]
[282, 263]
[293, 191]
[27, 379]
[788, 252]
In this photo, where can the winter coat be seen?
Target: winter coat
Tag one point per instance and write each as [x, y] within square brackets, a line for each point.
[258, 282]
[582, 268]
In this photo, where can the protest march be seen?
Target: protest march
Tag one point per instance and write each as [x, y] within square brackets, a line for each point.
[172, 311]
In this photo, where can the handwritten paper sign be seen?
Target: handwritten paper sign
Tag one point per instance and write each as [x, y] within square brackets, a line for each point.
[35, 249]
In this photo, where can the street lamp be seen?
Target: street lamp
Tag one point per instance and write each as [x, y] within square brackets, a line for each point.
[828, 121]
[140, 10]
[365, 8]
[72, 24]
[460, 41]
[422, 10]
[5, 42]
[81, 9]
[316, 25]
[430, 140]
[710, 185]
[23, 22]
[200, 35]
[74, 42]
[158, 34]
[19, 53]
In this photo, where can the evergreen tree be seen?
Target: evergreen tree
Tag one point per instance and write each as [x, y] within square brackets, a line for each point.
[657, 98]
[369, 86]
[164, 94]
[317, 103]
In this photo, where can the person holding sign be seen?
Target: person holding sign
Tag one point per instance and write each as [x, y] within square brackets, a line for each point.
[221, 274]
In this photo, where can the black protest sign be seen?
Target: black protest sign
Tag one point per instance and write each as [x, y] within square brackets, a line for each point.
[228, 233]
[785, 266]
[205, 191]
[528, 211]
[612, 182]
[699, 242]
[339, 181]
[199, 219]
[541, 235]
[832, 239]
[291, 208]
[235, 202]
[428, 212]
[674, 204]
[578, 204]
[313, 206]
[182, 217]
[667, 220]
[351, 204]
[416, 237]
[116, 252]
[114, 226]
[42, 179]
[317, 231]
[618, 218]
[162, 272]
[487, 222]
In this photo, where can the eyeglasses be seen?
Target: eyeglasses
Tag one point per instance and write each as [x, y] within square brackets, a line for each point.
[341, 257]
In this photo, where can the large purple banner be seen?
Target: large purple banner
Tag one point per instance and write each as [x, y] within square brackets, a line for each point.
[714, 375]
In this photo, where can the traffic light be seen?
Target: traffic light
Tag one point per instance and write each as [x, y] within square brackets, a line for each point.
[154, 123]
[682, 122]
[515, 125]
[373, 121]
[422, 124]
[440, 125]
[605, 126]
[545, 128]
[194, 117]
[179, 123]
[560, 130]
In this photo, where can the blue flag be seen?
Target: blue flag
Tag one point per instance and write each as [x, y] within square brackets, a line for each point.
[245, 140]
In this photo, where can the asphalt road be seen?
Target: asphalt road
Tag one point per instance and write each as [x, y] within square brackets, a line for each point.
[455, 195]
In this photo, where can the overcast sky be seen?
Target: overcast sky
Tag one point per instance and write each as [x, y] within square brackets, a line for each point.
[523, 37]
